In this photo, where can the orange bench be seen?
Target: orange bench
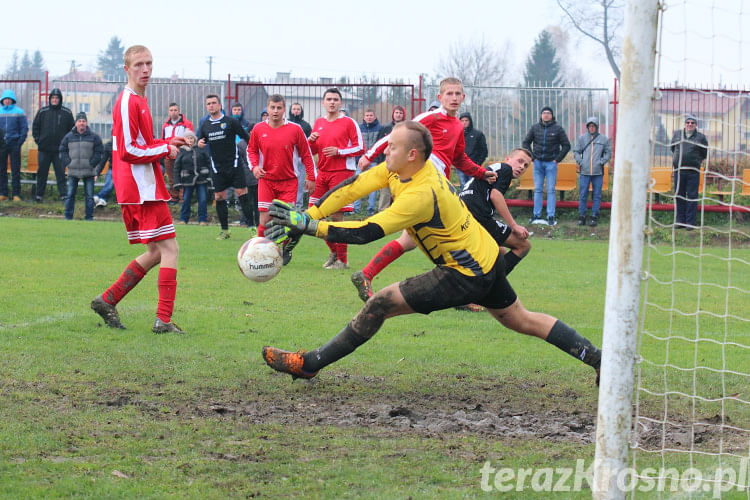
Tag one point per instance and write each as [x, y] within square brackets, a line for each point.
[661, 179]
[567, 179]
[745, 186]
[32, 162]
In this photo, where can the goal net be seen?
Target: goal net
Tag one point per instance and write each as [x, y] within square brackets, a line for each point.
[690, 430]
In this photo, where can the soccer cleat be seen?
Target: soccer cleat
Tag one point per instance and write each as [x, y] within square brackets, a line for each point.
[162, 327]
[224, 235]
[582, 220]
[107, 312]
[338, 265]
[287, 362]
[291, 243]
[330, 260]
[363, 285]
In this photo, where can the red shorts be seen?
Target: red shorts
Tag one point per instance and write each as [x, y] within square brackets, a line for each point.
[327, 181]
[148, 222]
[276, 190]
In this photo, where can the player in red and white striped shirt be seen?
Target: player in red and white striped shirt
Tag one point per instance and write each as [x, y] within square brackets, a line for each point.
[337, 140]
[142, 196]
[275, 146]
[448, 139]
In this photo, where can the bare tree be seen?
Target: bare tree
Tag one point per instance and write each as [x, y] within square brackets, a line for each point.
[599, 20]
[477, 63]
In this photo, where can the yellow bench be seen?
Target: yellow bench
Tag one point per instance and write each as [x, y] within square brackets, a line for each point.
[661, 179]
[567, 179]
[745, 186]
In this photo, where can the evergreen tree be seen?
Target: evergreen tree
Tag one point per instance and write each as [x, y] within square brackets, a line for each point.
[38, 67]
[109, 61]
[25, 69]
[542, 67]
[11, 71]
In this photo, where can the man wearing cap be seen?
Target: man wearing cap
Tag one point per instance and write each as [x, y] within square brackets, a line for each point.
[592, 152]
[689, 149]
[50, 125]
[80, 151]
[551, 144]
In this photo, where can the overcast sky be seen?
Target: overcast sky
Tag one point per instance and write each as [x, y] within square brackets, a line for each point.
[703, 39]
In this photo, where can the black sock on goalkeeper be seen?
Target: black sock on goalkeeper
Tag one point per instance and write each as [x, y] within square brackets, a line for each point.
[566, 339]
[511, 259]
[345, 342]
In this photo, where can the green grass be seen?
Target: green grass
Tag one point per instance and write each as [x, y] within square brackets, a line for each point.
[201, 416]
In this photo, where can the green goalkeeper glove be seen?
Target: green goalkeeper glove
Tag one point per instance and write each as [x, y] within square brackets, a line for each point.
[277, 233]
[299, 222]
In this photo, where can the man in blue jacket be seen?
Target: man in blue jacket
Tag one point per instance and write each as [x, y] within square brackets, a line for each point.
[13, 122]
[551, 144]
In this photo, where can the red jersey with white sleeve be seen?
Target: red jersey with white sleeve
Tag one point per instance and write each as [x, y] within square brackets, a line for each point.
[277, 150]
[342, 133]
[171, 130]
[448, 144]
[135, 153]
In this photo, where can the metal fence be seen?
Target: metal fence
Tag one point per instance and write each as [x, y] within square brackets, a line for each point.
[505, 114]
[97, 98]
[28, 97]
[357, 98]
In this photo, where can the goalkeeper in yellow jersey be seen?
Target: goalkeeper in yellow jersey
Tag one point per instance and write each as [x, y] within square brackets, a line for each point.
[469, 266]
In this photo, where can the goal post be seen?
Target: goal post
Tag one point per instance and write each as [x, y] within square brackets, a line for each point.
[631, 174]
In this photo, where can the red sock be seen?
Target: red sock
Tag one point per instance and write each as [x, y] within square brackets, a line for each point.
[167, 290]
[332, 247]
[341, 252]
[130, 277]
[385, 256]
[261, 230]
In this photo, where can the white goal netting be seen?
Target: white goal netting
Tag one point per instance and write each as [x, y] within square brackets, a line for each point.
[691, 423]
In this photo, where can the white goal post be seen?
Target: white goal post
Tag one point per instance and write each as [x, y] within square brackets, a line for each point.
[631, 174]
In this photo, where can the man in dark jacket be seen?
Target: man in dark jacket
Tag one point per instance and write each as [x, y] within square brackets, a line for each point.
[551, 144]
[689, 149]
[50, 125]
[297, 115]
[81, 151]
[476, 145]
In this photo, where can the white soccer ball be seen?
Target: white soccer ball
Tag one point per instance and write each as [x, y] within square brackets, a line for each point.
[259, 259]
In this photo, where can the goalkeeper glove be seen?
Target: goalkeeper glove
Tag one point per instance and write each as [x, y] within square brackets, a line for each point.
[277, 233]
[299, 222]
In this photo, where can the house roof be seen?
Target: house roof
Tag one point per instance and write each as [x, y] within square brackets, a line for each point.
[698, 102]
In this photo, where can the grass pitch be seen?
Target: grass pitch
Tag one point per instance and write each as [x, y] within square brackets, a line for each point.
[86, 411]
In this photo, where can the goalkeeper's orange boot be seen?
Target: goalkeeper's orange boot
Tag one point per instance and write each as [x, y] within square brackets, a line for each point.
[286, 362]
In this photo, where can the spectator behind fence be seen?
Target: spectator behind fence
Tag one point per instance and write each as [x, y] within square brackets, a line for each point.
[434, 105]
[192, 173]
[689, 149]
[252, 190]
[476, 145]
[81, 151]
[13, 122]
[551, 144]
[100, 199]
[297, 115]
[370, 128]
[50, 125]
[397, 116]
[592, 152]
[175, 126]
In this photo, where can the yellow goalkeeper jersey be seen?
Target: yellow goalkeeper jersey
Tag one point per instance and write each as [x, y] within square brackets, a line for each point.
[427, 206]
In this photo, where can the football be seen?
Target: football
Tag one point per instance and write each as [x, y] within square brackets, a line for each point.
[259, 259]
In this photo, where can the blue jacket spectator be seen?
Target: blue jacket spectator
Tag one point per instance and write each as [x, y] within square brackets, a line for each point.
[16, 127]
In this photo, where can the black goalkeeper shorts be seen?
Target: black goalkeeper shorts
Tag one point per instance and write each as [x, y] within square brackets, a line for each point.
[444, 287]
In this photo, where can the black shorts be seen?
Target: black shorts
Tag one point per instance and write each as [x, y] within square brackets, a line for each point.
[444, 287]
[497, 229]
[228, 177]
